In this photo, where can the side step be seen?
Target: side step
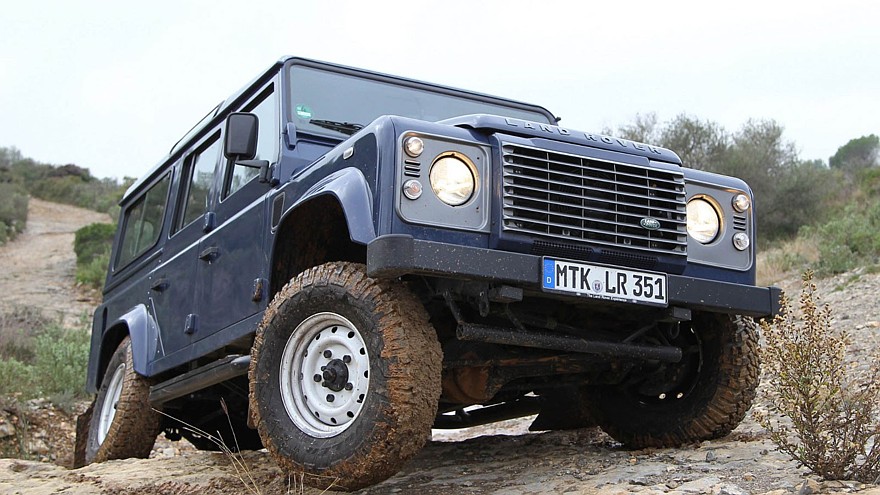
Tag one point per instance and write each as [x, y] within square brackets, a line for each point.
[496, 335]
[199, 378]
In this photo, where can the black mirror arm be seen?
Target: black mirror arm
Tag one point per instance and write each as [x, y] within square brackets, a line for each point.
[263, 165]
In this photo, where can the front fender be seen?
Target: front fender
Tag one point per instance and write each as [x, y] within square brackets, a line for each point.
[351, 190]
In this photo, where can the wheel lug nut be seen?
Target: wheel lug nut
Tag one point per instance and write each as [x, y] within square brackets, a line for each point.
[317, 378]
[331, 397]
[349, 386]
[346, 359]
[323, 368]
[328, 354]
[329, 375]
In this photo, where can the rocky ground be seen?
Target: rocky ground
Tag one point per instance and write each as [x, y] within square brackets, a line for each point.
[503, 458]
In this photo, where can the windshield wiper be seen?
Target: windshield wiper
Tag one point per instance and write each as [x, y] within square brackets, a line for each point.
[347, 128]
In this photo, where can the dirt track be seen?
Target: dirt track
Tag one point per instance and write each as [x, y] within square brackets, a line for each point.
[38, 267]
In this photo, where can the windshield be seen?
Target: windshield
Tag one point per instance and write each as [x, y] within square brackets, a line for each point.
[337, 104]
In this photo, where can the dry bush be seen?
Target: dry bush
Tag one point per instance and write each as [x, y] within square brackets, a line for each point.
[823, 411]
[795, 255]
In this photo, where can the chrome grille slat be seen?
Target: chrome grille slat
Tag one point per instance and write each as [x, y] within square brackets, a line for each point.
[652, 209]
[585, 200]
[580, 196]
[575, 217]
[619, 174]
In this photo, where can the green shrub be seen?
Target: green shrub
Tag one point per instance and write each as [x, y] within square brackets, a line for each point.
[16, 378]
[78, 190]
[92, 247]
[823, 413]
[92, 241]
[94, 273]
[13, 211]
[60, 361]
[849, 240]
[40, 358]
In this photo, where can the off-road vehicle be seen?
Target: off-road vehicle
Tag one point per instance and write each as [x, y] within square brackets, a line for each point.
[334, 261]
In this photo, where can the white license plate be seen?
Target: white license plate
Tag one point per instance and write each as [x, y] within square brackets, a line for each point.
[605, 282]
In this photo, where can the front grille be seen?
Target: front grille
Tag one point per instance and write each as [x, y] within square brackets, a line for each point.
[580, 199]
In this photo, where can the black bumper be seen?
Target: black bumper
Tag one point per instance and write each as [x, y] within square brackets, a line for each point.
[396, 255]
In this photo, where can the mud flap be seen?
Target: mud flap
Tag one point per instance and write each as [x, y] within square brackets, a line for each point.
[82, 436]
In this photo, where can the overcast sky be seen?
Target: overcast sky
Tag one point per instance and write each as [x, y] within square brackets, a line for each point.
[112, 85]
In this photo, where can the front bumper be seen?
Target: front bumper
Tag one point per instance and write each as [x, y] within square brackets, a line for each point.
[396, 255]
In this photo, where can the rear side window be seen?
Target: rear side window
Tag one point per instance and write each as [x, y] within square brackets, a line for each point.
[143, 222]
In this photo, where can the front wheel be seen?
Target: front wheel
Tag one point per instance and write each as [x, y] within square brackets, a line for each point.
[123, 424]
[344, 376]
[703, 397]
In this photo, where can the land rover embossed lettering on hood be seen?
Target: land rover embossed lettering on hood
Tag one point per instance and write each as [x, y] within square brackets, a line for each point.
[537, 129]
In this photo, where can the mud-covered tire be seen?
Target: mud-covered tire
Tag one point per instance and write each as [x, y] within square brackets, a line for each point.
[721, 390]
[130, 428]
[400, 353]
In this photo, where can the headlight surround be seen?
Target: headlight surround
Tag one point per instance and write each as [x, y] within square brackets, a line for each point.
[703, 220]
[453, 178]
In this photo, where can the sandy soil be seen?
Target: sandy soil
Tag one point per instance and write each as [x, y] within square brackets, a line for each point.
[503, 458]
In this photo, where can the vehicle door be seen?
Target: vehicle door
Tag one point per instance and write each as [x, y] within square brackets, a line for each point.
[175, 284]
[233, 276]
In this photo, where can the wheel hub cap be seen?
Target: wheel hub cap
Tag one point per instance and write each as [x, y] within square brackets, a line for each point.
[325, 372]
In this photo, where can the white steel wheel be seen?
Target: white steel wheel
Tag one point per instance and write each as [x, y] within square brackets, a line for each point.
[344, 377]
[122, 423]
[108, 408]
[324, 375]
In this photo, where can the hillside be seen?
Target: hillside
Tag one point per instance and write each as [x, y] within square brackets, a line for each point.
[37, 269]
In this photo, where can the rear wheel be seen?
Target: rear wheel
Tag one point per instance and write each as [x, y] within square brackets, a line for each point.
[123, 424]
[345, 377]
[705, 396]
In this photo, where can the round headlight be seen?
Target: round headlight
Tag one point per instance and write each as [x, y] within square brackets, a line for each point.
[413, 146]
[452, 179]
[703, 221]
[741, 203]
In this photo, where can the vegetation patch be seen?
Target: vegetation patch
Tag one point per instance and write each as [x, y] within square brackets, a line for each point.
[824, 410]
[40, 358]
[92, 245]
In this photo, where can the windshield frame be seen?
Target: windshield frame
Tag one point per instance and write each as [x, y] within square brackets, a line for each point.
[539, 114]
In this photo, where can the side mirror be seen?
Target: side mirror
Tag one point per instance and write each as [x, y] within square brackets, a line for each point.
[241, 136]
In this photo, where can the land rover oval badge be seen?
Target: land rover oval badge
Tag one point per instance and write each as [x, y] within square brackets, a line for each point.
[649, 223]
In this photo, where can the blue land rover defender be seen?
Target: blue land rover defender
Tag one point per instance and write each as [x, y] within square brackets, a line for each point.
[334, 261]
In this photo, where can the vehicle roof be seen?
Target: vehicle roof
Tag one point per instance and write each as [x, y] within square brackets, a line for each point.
[224, 107]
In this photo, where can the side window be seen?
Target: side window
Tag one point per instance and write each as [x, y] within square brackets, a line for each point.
[143, 222]
[265, 108]
[199, 170]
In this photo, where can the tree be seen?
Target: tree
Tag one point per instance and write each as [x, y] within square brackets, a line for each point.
[699, 143]
[643, 130]
[858, 154]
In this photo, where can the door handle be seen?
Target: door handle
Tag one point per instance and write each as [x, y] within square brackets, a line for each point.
[160, 285]
[210, 254]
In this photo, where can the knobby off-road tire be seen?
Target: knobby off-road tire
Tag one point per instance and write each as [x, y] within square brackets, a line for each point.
[719, 391]
[123, 424]
[333, 331]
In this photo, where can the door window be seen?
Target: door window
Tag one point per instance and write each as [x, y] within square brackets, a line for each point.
[200, 177]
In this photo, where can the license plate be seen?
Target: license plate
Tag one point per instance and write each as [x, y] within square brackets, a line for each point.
[605, 282]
